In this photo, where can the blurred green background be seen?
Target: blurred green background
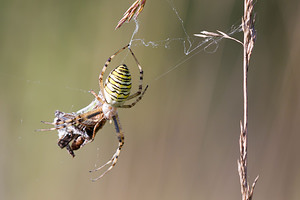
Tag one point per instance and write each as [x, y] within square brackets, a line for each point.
[181, 140]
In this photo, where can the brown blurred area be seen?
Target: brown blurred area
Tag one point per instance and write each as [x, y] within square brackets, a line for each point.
[181, 140]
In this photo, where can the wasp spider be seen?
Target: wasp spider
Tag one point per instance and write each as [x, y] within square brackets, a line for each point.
[81, 127]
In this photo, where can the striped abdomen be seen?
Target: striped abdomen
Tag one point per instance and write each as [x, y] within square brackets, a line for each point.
[117, 86]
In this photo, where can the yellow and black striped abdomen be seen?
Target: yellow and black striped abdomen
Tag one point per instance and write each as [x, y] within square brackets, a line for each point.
[117, 86]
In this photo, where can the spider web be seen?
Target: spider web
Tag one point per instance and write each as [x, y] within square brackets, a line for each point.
[190, 44]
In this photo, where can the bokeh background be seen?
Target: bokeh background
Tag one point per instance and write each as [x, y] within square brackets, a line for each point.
[181, 140]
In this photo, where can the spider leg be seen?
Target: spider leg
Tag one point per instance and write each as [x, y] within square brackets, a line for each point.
[73, 119]
[141, 77]
[70, 122]
[63, 124]
[48, 129]
[54, 128]
[48, 122]
[97, 97]
[96, 127]
[112, 162]
[137, 100]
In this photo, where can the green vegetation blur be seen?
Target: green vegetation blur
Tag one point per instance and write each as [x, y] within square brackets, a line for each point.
[181, 139]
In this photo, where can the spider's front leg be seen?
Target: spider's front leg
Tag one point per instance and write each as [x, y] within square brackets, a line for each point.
[112, 162]
[97, 97]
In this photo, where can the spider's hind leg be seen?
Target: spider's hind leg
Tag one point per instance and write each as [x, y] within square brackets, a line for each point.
[112, 162]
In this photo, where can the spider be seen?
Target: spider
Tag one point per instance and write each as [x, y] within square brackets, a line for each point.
[81, 127]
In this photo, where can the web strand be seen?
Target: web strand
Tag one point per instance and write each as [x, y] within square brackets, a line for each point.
[191, 45]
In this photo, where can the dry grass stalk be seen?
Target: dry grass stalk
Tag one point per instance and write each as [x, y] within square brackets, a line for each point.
[248, 44]
[133, 11]
[249, 40]
[207, 34]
